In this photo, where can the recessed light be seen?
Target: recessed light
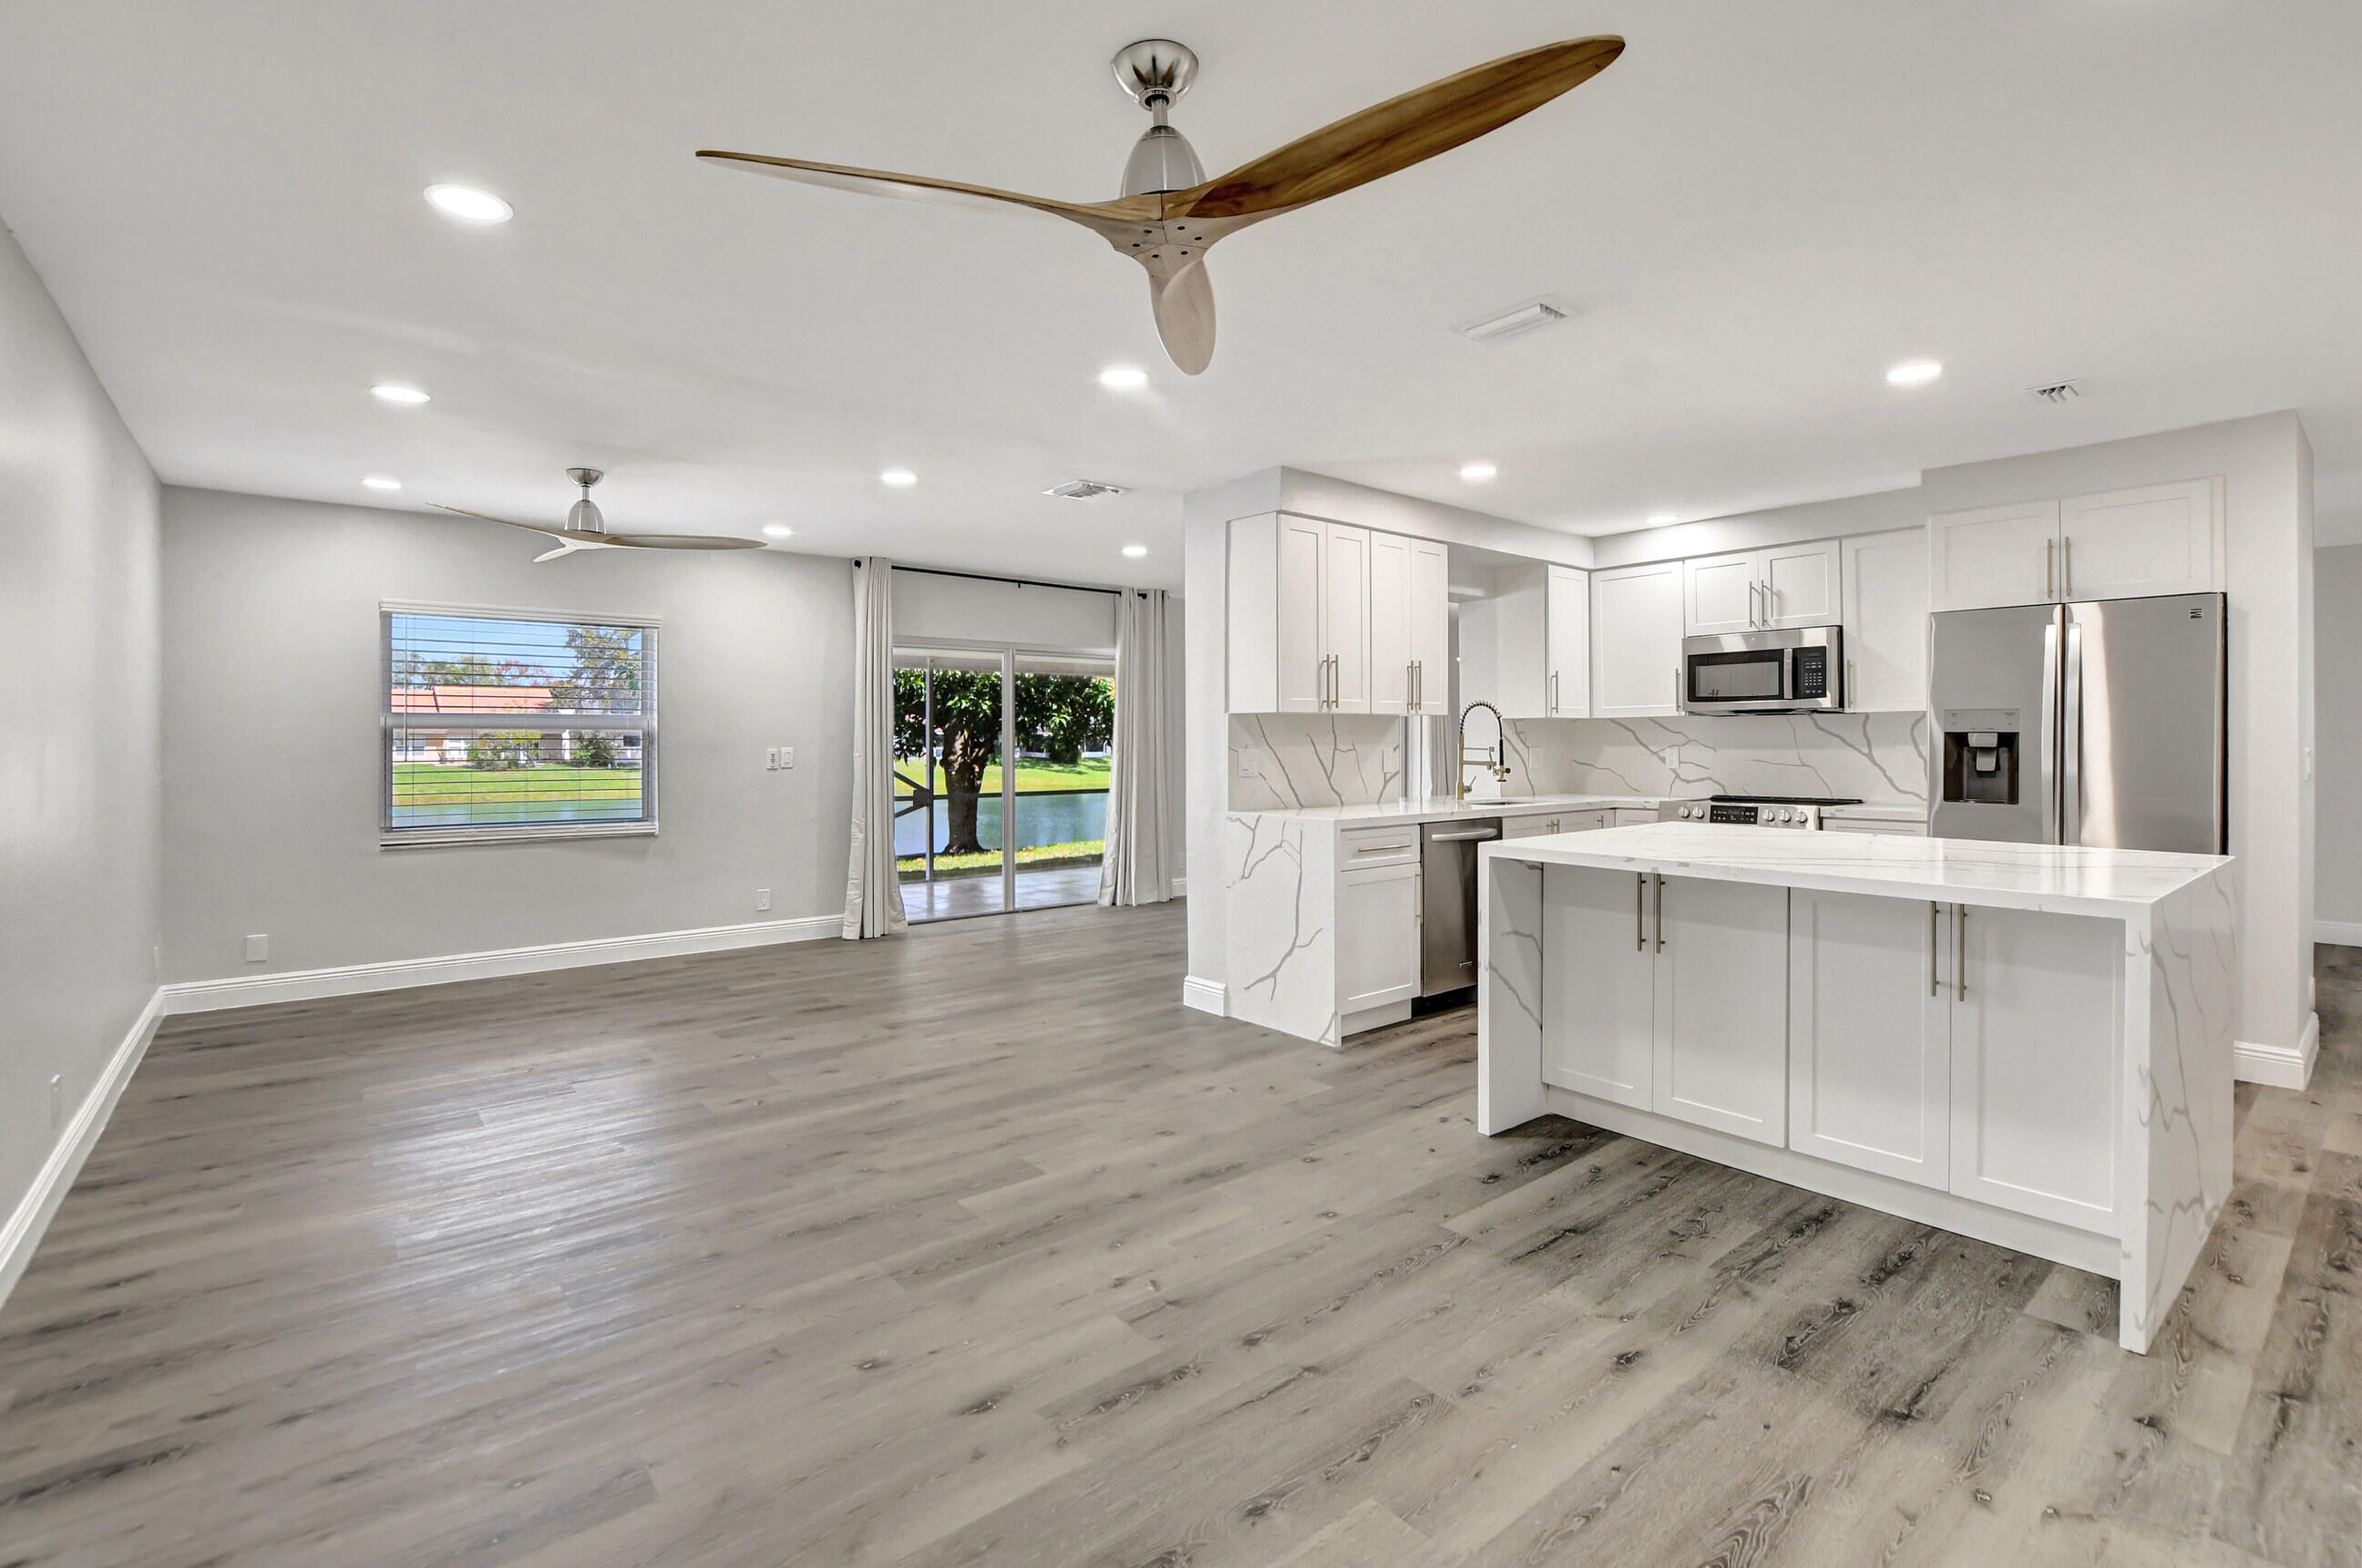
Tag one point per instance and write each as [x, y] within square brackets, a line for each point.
[388, 391]
[1914, 373]
[379, 481]
[777, 531]
[1661, 518]
[1135, 551]
[900, 478]
[1475, 471]
[1123, 378]
[469, 204]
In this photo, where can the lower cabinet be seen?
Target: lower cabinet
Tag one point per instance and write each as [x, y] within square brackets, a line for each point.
[1378, 927]
[1973, 1051]
[1870, 1033]
[1534, 825]
[1667, 995]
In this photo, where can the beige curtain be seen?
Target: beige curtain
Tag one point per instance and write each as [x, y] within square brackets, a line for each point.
[1136, 868]
[873, 899]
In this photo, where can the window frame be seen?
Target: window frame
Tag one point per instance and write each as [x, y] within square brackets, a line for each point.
[391, 837]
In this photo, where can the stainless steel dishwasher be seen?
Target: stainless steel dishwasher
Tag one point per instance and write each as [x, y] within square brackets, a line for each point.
[1447, 893]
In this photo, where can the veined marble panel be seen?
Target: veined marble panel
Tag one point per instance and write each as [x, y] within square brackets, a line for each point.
[1279, 881]
[2181, 995]
[1878, 757]
[1304, 759]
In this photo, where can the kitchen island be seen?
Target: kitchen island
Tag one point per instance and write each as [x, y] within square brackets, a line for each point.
[2025, 1044]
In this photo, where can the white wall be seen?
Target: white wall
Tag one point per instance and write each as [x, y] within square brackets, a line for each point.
[272, 689]
[2337, 854]
[78, 795]
[2267, 495]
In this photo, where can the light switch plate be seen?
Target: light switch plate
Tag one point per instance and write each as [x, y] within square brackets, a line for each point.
[771, 758]
[761, 898]
[787, 756]
[258, 948]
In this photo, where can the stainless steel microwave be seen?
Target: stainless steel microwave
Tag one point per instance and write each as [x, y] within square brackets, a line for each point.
[1800, 670]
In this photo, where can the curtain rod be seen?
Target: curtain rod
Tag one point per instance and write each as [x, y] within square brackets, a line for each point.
[1017, 582]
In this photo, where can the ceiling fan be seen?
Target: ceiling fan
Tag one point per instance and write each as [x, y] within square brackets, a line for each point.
[585, 528]
[1170, 214]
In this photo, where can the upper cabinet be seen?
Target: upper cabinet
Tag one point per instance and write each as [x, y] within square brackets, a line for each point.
[2125, 544]
[1411, 626]
[1525, 648]
[1754, 591]
[1635, 640]
[1329, 618]
[1886, 621]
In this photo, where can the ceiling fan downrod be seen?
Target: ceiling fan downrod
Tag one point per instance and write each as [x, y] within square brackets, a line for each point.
[1156, 72]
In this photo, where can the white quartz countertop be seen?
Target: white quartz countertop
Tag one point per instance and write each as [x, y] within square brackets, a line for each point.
[1875, 813]
[2065, 879]
[1446, 810]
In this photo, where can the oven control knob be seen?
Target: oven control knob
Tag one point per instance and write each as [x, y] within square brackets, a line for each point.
[1781, 816]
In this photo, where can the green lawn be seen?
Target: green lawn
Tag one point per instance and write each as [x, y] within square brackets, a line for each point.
[1092, 773]
[1040, 855]
[443, 783]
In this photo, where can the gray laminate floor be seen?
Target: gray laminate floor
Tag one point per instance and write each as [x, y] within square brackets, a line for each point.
[974, 1246]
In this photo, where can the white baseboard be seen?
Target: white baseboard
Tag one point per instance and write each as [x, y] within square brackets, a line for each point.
[1206, 996]
[75, 1141]
[354, 979]
[2280, 1066]
[2338, 933]
[1180, 886]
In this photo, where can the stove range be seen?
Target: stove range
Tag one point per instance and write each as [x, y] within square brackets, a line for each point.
[1754, 810]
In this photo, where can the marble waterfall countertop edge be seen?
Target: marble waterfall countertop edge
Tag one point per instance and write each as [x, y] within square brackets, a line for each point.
[2068, 879]
[1446, 811]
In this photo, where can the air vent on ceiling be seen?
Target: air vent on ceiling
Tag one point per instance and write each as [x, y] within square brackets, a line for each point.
[2057, 392]
[1513, 322]
[1084, 489]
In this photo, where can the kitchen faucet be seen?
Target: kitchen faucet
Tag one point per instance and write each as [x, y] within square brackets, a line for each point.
[1500, 745]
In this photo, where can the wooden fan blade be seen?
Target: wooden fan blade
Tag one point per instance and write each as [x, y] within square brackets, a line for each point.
[682, 542]
[576, 536]
[1399, 132]
[1103, 217]
[1184, 302]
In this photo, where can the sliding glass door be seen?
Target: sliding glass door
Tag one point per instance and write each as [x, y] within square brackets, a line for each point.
[975, 833]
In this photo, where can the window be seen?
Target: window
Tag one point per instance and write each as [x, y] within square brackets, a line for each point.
[515, 724]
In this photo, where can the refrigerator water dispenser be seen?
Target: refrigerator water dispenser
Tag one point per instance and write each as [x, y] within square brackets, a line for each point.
[1981, 757]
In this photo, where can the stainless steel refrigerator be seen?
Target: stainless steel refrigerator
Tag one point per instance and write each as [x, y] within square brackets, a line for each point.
[2098, 724]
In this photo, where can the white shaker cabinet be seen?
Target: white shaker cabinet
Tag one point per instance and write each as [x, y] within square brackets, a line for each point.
[1666, 995]
[2128, 544]
[1567, 688]
[1411, 626]
[1378, 927]
[1635, 641]
[1429, 615]
[1527, 649]
[1754, 591]
[1299, 616]
[1870, 1033]
[1885, 577]
[1991, 556]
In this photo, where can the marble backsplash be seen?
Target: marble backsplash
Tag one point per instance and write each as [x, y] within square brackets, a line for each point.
[1878, 757]
[1280, 761]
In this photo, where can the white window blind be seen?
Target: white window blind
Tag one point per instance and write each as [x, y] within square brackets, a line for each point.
[515, 724]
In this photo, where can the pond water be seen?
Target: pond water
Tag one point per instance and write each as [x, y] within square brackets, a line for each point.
[1064, 818]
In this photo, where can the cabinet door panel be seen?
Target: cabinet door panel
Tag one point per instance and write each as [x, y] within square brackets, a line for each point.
[1390, 613]
[1868, 1034]
[1724, 595]
[1635, 640]
[1569, 637]
[1303, 677]
[1722, 1006]
[1800, 584]
[1598, 1002]
[1994, 555]
[1377, 936]
[2035, 1049]
[1886, 621]
[1345, 618]
[2129, 544]
[1431, 624]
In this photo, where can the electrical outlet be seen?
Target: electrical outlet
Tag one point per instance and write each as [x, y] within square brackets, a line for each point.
[1249, 762]
[761, 898]
[57, 1100]
[787, 756]
[1673, 758]
[258, 948]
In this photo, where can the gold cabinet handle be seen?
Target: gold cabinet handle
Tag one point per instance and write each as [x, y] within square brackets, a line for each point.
[2048, 591]
[2066, 562]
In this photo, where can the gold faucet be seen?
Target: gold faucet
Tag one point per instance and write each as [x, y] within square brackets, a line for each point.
[1493, 760]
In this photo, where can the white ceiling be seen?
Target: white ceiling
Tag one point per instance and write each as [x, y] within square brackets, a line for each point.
[1754, 213]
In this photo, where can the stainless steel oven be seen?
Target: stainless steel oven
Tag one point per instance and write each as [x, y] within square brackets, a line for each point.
[1799, 671]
